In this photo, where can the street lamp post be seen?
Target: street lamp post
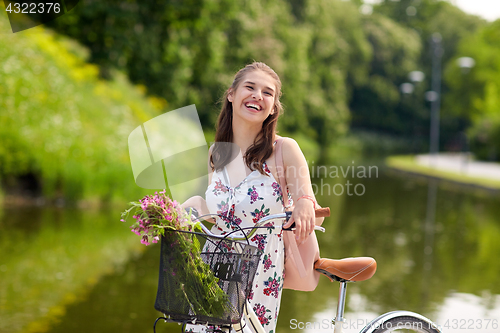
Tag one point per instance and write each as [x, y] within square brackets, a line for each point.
[434, 95]
[415, 77]
[465, 64]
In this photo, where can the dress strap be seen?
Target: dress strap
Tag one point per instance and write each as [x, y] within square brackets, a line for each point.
[280, 171]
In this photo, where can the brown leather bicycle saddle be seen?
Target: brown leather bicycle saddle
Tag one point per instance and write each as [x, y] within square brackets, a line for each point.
[348, 269]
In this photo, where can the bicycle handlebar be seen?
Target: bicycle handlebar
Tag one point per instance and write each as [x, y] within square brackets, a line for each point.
[320, 212]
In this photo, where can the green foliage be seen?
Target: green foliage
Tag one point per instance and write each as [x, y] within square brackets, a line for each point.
[474, 93]
[431, 16]
[426, 17]
[63, 124]
[338, 54]
[377, 103]
[329, 56]
[188, 52]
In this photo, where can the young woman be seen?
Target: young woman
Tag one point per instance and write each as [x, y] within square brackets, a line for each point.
[243, 185]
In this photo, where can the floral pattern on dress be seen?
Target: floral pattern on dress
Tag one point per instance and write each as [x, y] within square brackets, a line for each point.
[260, 240]
[256, 196]
[273, 286]
[259, 213]
[268, 263]
[262, 313]
[266, 169]
[277, 192]
[270, 227]
[229, 219]
[223, 207]
[220, 188]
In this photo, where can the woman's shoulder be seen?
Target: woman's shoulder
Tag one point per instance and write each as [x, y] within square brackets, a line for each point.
[292, 154]
[289, 144]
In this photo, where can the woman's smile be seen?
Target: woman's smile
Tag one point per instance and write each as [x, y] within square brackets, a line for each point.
[253, 106]
[254, 96]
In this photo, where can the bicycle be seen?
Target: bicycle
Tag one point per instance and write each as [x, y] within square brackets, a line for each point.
[347, 270]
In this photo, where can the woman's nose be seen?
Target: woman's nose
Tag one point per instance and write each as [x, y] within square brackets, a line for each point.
[257, 94]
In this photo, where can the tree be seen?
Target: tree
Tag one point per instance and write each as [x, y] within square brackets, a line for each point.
[328, 53]
[60, 125]
[376, 103]
[474, 94]
[187, 52]
[427, 17]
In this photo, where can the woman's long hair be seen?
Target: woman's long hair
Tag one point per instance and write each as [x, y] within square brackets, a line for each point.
[262, 148]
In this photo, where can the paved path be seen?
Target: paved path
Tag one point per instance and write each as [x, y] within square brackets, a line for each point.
[462, 164]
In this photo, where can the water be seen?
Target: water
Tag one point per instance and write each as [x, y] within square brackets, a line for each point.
[76, 271]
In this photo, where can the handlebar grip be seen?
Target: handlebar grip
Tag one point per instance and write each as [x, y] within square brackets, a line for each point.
[322, 212]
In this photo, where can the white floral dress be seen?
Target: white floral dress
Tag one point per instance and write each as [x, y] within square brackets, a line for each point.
[256, 196]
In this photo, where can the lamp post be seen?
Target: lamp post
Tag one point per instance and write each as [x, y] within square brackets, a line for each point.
[434, 96]
[406, 88]
[465, 64]
[415, 77]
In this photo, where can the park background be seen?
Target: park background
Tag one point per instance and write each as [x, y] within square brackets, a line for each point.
[72, 90]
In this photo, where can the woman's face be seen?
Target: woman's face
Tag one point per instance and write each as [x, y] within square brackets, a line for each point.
[253, 100]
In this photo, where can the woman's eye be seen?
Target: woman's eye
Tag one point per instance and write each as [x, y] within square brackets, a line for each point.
[269, 94]
[250, 87]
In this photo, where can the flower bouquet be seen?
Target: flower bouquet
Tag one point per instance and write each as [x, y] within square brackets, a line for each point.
[190, 285]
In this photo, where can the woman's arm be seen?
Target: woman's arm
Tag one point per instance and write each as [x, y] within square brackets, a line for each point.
[299, 185]
[198, 203]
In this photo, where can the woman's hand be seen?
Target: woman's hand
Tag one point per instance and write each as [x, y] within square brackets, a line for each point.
[198, 203]
[304, 218]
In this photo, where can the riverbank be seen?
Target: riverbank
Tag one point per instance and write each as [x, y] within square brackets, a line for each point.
[456, 168]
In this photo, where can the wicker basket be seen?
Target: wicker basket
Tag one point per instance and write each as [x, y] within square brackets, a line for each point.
[232, 263]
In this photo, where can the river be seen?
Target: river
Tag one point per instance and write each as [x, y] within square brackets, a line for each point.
[73, 270]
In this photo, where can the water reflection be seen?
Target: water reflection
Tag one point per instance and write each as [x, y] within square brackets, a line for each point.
[391, 222]
[52, 258]
[431, 243]
[429, 231]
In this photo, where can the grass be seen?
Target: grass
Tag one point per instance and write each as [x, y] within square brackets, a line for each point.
[408, 163]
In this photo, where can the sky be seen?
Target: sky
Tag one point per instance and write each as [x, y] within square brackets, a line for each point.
[487, 9]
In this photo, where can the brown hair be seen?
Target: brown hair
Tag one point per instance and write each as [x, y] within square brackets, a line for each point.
[262, 148]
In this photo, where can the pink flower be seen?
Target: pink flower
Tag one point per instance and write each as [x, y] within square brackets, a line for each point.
[154, 211]
[145, 240]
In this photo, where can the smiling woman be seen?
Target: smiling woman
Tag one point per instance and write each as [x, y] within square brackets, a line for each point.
[243, 186]
[257, 95]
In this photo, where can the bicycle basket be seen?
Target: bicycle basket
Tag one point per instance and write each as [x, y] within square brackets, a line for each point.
[209, 284]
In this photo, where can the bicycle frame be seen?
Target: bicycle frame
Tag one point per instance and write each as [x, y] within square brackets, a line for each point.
[252, 319]
[248, 313]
